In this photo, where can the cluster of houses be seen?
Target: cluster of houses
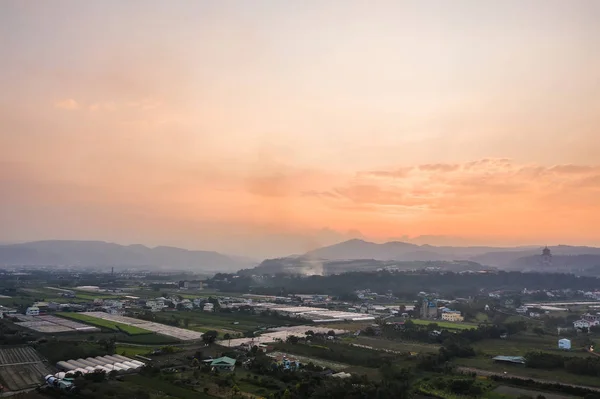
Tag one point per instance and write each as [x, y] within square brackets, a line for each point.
[587, 320]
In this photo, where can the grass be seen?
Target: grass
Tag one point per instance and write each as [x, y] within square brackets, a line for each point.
[519, 370]
[131, 351]
[223, 322]
[398, 346]
[446, 324]
[159, 385]
[519, 345]
[111, 325]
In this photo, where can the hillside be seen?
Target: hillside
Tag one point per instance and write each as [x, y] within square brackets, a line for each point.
[307, 266]
[502, 257]
[98, 254]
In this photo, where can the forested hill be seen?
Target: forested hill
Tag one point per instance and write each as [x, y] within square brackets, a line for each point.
[99, 253]
[451, 284]
[307, 266]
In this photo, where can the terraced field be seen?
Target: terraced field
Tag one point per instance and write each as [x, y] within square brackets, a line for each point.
[21, 368]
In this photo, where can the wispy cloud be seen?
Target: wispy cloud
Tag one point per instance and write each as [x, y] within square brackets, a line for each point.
[68, 104]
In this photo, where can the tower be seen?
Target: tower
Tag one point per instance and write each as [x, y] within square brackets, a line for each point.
[546, 258]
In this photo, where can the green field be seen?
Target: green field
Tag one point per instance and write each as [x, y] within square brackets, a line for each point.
[111, 325]
[394, 345]
[520, 344]
[484, 363]
[223, 322]
[446, 324]
[131, 351]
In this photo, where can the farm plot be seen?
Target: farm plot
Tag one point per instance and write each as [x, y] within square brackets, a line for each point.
[109, 324]
[51, 324]
[21, 368]
[277, 334]
[175, 332]
[446, 324]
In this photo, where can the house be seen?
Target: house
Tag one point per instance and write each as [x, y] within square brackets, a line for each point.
[223, 364]
[190, 285]
[564, 343]
[197, 302]
[590, 317]
[6, 312]
[33, 311]
[453, 315]
[522, 309]
[585, 323]
[209, 307]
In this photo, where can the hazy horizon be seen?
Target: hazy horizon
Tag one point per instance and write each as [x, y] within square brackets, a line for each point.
[272, 127]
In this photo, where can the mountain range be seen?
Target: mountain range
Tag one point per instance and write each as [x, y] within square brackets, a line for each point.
[353, 254]
[104, 254]
[360, 255]
[402, 251]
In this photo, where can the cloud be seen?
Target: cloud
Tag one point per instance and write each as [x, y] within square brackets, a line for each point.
[483, 186]
[68, 104]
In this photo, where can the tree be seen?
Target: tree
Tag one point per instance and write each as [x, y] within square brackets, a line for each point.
[210, 336]
[292, 339]
[539, 331]
[331, 333]
[186, 322]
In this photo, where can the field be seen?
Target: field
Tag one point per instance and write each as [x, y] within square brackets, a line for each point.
[393, 345]
[108, 324]
[519, 370]
[519, 345]
[163, 329]
[446, 324]
[518, 392]
[131, 351]
[21, 368]
[165, 387]
[224, 322]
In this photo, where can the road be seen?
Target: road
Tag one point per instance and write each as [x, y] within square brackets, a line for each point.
[492, 373]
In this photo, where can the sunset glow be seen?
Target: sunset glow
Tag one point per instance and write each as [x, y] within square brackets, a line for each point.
[268, 128]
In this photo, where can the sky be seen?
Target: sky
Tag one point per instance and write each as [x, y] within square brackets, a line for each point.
[265, 128]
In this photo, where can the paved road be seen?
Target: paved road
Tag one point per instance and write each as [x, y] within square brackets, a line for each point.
[492, 373]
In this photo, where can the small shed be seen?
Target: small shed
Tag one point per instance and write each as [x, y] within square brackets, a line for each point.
[564, 343]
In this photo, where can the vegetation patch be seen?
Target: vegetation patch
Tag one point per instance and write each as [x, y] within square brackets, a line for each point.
[111, 325]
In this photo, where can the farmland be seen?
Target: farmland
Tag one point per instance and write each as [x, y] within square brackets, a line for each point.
[21, 368]
[445, 324]
[237, 322]
[108, 324]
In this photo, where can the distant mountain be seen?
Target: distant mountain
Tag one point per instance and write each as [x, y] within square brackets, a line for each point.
[504, 257]
[578, 264]
[99, 254]
[309, 266]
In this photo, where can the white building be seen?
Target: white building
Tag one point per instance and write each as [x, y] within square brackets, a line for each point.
[564, 343]
[33, 311]
[522, 309]
[209, 307]
[585, 323]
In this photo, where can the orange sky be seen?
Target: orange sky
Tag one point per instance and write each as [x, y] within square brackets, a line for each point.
[268, 128]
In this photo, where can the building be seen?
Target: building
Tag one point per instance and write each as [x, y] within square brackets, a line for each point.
[522, 309]
[6, 312]
[190, 285]
[509, 359]
[546, 259]
[32, 311]
[564, 343]
[454, 316]
[429, 309]
[209, 307]
[223, 364]
[585, 323]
